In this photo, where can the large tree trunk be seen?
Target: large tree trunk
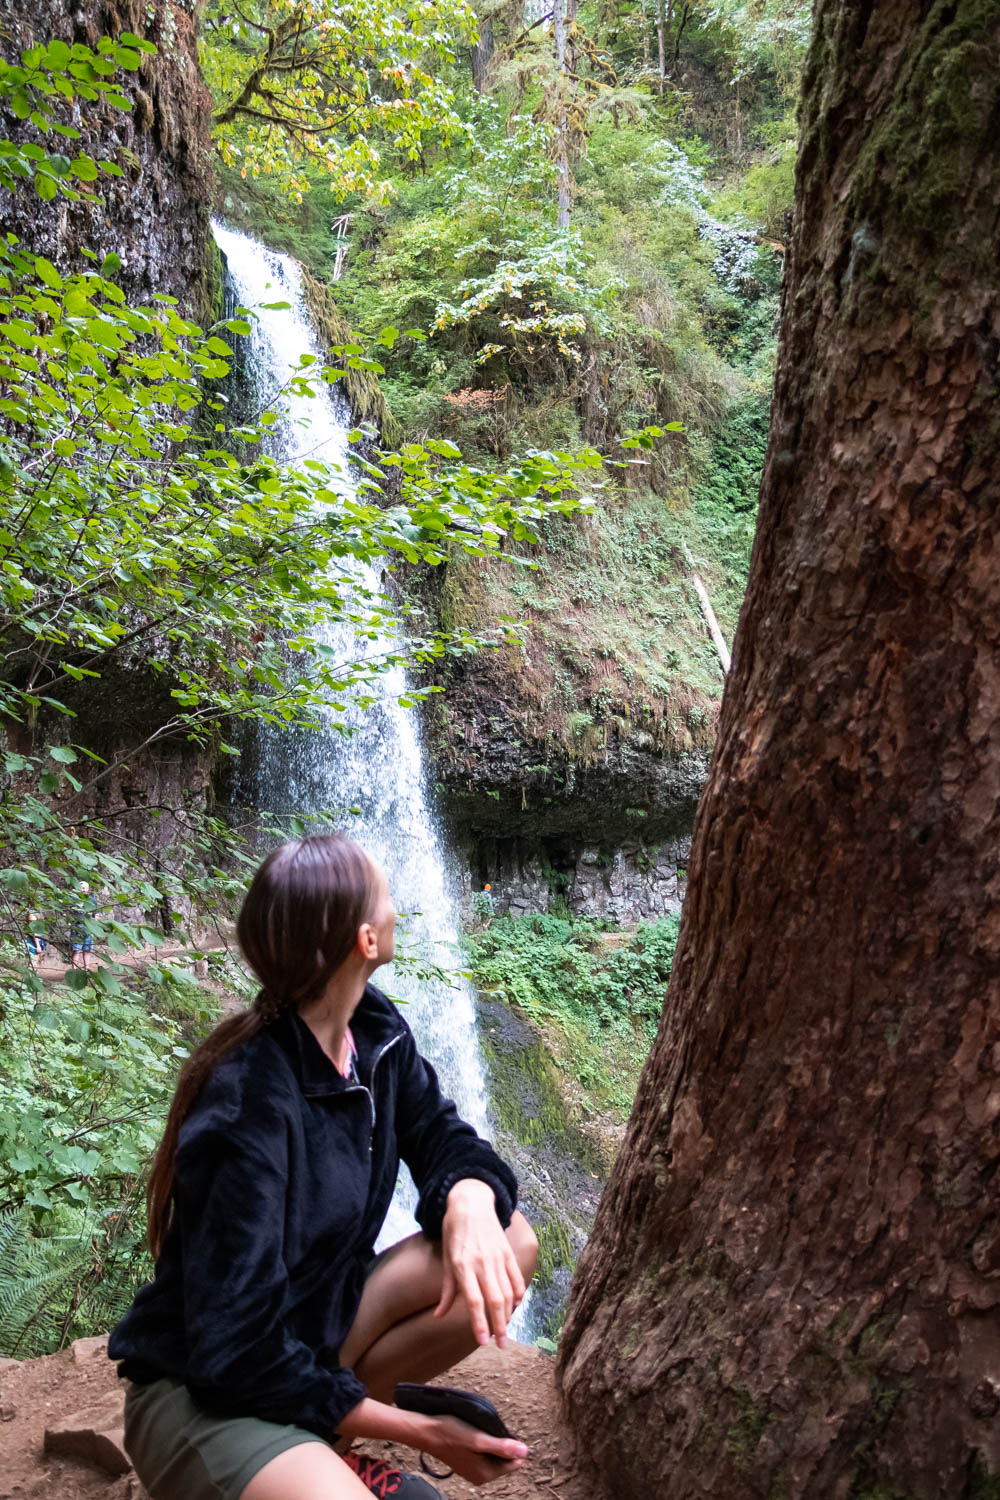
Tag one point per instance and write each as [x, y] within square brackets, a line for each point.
[793, 1286]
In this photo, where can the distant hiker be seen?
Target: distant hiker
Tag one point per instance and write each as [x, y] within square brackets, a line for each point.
[483, 905]
[81, 940]
[35, 944]
[272, 1334]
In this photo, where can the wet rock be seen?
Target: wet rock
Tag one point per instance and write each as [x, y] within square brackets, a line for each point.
[155, 216]
[628, 882]
[95, 1435]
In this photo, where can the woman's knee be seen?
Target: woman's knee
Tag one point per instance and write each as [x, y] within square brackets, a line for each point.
[524, 1244]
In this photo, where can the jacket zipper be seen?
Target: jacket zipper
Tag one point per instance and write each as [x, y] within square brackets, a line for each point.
[361, 1088]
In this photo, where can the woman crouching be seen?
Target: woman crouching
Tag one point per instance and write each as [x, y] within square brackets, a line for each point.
[271, 1335]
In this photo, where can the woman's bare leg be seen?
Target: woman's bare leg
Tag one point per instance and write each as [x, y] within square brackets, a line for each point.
[310, 1471]
[395, 1335]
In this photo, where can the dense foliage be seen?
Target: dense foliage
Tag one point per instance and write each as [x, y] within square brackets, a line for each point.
[601, 989]
[313, 82]
[655, 304]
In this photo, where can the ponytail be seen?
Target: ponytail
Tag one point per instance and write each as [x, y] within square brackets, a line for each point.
[225, 1037]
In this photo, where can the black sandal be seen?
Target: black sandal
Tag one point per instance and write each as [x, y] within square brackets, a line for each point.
[440, 1401]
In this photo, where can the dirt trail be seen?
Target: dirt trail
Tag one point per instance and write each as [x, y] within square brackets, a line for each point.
[54, 964]
[42, 1392]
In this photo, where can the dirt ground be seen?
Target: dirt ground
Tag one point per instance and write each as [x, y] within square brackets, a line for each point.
[519, 1381]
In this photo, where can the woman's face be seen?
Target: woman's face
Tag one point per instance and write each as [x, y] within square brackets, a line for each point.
[384, 918]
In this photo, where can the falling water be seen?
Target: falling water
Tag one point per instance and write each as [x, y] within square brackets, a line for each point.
[377, 770]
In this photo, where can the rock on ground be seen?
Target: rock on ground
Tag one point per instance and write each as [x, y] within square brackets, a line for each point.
[74, 1398]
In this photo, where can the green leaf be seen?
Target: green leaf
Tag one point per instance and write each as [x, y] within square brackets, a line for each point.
[85, 168]
[63, 754]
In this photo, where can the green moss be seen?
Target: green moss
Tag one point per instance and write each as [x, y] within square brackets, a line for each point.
[743, 1435]
[528, 1100]
[983, 1485]
[362, 387]
[631, 1340]
[614, 640]
[555, 1251]
[918, 160]
[214, 285]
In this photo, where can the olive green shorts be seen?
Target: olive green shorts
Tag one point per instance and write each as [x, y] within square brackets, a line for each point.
[181, 1452]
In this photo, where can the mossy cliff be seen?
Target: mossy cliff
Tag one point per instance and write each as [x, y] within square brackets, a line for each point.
[561, 1164]
[155, 217]
[569, 765]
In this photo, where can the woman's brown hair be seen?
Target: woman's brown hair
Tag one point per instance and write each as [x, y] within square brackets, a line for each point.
[297, 925]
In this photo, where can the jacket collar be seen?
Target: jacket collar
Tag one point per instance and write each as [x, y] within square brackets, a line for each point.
[373, 1025]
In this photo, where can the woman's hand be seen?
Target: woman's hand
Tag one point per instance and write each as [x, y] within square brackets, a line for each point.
[475, 1455]
[479, 1264]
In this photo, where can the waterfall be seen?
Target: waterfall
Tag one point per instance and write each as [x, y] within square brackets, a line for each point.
[371, 782]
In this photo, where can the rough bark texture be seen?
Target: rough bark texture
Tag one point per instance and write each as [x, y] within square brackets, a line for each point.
[155, 216]
[793, 1288]
[481, 55]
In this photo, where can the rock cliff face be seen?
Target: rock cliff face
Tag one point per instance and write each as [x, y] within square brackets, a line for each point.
[155, 216]
[603, 827]
[156, 219]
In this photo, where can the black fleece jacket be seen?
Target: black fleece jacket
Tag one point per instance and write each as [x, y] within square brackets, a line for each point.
[284, 1174]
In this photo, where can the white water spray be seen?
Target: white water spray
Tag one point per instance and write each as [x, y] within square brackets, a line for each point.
[378, 769]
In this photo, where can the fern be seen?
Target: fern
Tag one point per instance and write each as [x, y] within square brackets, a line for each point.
[36, 1276]
[65, 1286]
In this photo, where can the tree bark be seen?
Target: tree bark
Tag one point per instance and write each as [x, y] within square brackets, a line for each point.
[562, 116]
[481, 55]
[793, 1285]
[661, 45]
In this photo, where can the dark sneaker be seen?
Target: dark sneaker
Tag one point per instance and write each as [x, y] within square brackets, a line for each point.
[387, 1483]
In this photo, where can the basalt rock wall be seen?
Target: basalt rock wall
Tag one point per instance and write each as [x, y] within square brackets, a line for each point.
[602, 828]
[155, 217]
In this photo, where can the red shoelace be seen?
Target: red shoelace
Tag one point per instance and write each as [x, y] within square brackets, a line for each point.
[374, 1473]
